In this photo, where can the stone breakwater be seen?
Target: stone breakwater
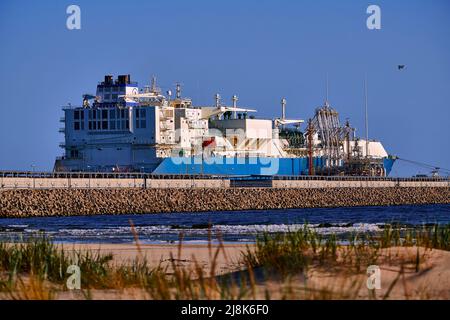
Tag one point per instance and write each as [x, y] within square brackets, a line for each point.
[67, 202]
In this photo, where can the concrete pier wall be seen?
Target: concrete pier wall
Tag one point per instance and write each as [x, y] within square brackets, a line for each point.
[93, 183]
[355, 184]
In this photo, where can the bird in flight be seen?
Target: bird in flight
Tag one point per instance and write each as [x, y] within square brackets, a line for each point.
[401, 66]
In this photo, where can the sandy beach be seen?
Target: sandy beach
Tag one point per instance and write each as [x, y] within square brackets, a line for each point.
[227, 259]
[401, 276]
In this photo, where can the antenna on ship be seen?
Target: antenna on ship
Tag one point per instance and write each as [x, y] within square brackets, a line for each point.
[178, 90]
[327, 91]
[283, 110]
[217, 98]
[366, 116]
[154, 88]
[235, 99]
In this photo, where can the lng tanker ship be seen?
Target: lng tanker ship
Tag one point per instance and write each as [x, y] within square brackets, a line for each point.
[123, 128]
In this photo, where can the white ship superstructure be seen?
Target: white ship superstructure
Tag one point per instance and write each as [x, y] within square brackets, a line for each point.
[124, 128]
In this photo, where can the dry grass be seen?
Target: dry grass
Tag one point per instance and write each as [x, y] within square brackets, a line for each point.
[294, 265]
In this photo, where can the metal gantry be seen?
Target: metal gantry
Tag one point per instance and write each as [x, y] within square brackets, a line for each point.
[327, 125]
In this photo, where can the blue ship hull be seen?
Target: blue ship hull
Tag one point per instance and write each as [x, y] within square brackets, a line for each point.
[388, 163]
[245, 166]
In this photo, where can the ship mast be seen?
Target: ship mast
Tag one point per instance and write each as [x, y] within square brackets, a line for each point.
[178, 90]
[366, 117]
[310, 132]
[347, 138]
[283, 110]
[234, 99]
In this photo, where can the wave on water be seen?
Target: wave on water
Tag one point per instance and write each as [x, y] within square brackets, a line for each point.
[252, 229]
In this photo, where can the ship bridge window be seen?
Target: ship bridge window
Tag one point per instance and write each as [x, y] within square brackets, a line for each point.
[112, 114]
[140, 118]
[104, 125]
[114, 96]
[104, 114]
[74, 154]
[78, 123]
[112, 125]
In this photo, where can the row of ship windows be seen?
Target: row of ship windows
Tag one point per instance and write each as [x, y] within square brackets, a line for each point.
[103, 114]
[103, 125]
[108, 96]
[112, 89]
[109, 125]
[113, 114]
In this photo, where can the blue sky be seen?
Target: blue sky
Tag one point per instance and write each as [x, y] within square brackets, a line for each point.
[259, 50]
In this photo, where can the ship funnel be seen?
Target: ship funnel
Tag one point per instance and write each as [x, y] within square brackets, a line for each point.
[124, 79]
[108, 79]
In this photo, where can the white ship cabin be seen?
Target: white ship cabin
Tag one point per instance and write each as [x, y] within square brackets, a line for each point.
[245, 137]
[115, 129]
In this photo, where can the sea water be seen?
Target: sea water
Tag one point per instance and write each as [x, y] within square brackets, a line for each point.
[229, 226]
